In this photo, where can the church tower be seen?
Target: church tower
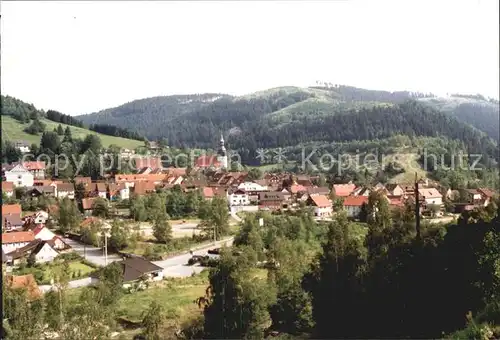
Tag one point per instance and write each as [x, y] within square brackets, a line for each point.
[222, 154]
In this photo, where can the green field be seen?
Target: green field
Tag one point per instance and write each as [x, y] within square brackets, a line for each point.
[43, 273]
[13, 130]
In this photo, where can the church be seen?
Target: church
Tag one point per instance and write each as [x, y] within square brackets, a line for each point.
[218, 161]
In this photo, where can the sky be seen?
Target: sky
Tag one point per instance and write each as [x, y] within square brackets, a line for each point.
[82, 57]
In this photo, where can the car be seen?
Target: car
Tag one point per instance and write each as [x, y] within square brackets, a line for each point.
[215, 251]
[196, 259]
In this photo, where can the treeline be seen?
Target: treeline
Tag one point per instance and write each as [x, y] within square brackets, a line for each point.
[59, 117]
[112, 130]
[18, 109]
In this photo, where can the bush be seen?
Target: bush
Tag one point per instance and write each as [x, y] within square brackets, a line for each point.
[73, 256]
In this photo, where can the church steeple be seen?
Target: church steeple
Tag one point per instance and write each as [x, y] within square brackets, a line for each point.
[221, 153]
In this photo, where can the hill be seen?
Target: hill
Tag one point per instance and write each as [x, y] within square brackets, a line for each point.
[291, 115]
[12, 130]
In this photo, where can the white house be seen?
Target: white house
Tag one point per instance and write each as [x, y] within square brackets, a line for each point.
[124, 193]
[238, 197]
[252, 187]
[43, 233]
[41, 217]
[431, 196]
[353, 204]
[322, 205]
[15, 240]
[23, 146]
[19, 176]
[44, 252]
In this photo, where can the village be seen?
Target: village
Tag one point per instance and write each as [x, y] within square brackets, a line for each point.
[32, 238]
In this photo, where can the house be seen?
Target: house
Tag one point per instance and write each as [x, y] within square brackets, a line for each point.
[296, 188]
[12, 222]
[19, 176]
[304, 180]
[15, 240]
[252, 187]
[65, 190]
[287, 195]
[118, 191]
[43, 233]
[131, 180]
[137, 268]
[152, 145]
[26, 282]
[37, 168]
[431, 196]
[311, 191]
[44, 252]
[487, 195]
[322, 205]
[361, 191]
[23, 146]
[87, 204]
[41, 217]
[379, 186]
[353, 205]
[394, 189]
[42, 190]
[83, 180]
[238, 197]
[8, 188]
[126, 153]
[343, 190]
[98, 189]
[271, 200]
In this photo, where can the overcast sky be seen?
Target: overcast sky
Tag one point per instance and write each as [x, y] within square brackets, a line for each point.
[81, 57]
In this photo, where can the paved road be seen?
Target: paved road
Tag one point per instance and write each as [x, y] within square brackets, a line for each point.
[92, 254]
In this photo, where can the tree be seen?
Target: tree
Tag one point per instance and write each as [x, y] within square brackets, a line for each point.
[60, 130]
[100, 207]
[119, 236]
[138, 209]
[92, 143]
[254, 174]
[237, 304]
[67, 135]
[69, 216]
[36, 127]
[49, 143]
[10, 153]
[162, 230]
[152, 321]
[217, 218]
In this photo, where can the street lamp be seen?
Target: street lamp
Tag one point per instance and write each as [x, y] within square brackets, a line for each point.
[106, 234]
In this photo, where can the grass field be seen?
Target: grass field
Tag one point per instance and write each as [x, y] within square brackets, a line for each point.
[43, 272]
[13, 130]
[409, 161]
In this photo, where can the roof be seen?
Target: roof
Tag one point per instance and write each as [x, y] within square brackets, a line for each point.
[486, 192]
[392, 186]
[11, 209]
[148, 162]
[343, 190]
[84, 180]
[44, 189]
[321, 201]
[395, 200]
[140, 177]
[17, 237]
[25, 250]
[355, 201]
[135, 267]
[177, 171]
[271, 196]
[25, 281]
[99, 187]
[7, 186]
[206, 161]
[208, 192]
[141, 188]
[34, 165]
[88, 202]
[318, 190]
[5, 257]
[297, 188]
[429, 193]
[65, 187]
[13, 219]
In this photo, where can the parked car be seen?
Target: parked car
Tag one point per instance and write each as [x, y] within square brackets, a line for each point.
[215, 251]
[196, 259]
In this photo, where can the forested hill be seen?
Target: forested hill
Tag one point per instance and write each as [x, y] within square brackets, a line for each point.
[290, 115]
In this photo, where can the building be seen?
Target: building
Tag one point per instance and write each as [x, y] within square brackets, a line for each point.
[20, 176]
[353, 205]
[394, 189]
[118, 191]
[36, 168]
[136, 268]
[15, 240]
[238, 197]
[487, 195]
[23, 146]
[252, 187]
[12, 222]
[343, 190]
[11, 209]
[152, 163]
[8, 188]
[431, 196]
[271, 200]
[44, 252]
[321, 204]
[311, 191]
[65, 190]
[222, 154]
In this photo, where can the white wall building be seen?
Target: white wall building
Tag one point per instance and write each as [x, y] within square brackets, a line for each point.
[252, 187]
[20, 176]
[238, 197]
[45, 254]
